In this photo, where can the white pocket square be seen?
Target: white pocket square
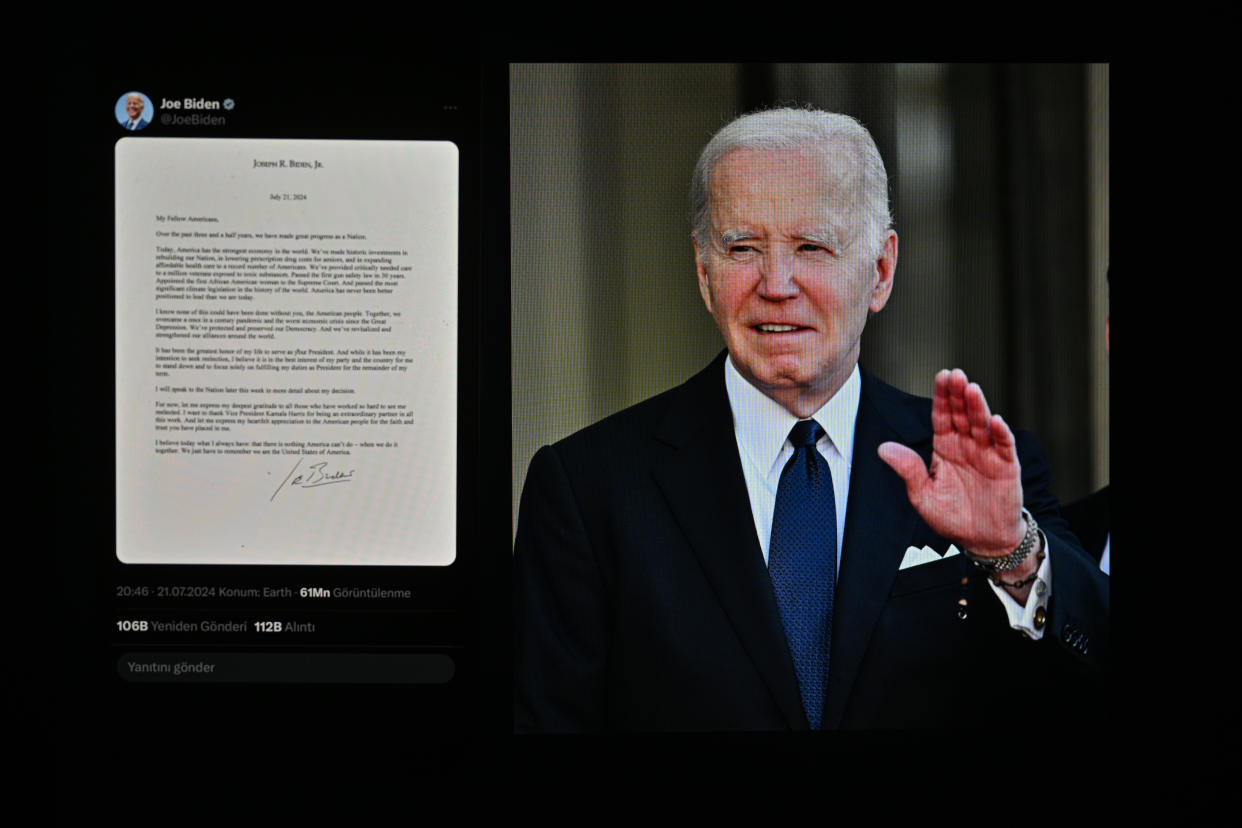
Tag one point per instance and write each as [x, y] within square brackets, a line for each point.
[918, 557]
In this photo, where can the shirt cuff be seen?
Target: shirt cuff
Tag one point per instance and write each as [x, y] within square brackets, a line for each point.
[1022, 618]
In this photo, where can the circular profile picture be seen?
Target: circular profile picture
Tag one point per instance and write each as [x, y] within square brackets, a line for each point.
[134, 111]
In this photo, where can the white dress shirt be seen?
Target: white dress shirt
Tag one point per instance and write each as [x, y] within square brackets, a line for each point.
[761, 427]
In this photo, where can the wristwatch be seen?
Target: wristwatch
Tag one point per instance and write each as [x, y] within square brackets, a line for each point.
[1015, 558]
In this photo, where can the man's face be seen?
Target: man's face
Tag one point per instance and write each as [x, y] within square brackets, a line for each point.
[133, 105]
[787, 273]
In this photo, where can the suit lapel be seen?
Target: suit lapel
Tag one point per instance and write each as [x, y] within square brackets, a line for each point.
[703, 483]
[879, 524]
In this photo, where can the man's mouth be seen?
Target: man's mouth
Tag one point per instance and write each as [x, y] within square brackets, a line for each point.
[768, 327]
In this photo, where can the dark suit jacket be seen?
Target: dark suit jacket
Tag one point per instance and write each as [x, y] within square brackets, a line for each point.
[643, 603]
[1089, 518]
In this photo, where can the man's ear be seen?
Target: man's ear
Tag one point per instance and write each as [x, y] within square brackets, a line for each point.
[701, 268]
[885, 267]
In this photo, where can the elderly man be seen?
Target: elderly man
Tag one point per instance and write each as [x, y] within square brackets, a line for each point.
[134, 104]
[784, 542]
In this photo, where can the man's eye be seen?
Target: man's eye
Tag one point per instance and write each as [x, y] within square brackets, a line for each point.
[808, 247]
[740, 249]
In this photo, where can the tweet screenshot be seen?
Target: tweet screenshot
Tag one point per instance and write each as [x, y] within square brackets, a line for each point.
[282, 354]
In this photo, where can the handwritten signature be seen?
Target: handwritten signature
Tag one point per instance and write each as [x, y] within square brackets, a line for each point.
[317, 475]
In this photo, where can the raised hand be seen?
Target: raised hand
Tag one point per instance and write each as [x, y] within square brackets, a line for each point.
[972, 494]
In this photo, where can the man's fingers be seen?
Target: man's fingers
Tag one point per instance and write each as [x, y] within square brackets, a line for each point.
[942, 419]
[979, 415]
[957, 401]
[907, 463]
[959, 406]
[1002, 438]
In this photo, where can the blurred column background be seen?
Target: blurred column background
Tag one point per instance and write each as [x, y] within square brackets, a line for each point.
[998, 179]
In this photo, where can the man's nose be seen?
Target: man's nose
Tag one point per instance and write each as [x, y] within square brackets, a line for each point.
[776, 276]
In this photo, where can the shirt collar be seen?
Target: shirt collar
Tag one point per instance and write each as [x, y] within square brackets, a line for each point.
[762, 425]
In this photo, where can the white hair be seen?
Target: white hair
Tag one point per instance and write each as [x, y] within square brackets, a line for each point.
[814, 129]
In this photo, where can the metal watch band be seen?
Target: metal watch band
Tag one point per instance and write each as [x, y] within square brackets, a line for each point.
[1015, 558]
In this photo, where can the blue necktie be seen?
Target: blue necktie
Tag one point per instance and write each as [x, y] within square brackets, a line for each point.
[802, 561]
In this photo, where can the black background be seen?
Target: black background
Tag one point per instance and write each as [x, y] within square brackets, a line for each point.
[115, 747]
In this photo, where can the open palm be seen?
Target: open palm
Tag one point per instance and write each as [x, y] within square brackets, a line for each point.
[972, 493]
